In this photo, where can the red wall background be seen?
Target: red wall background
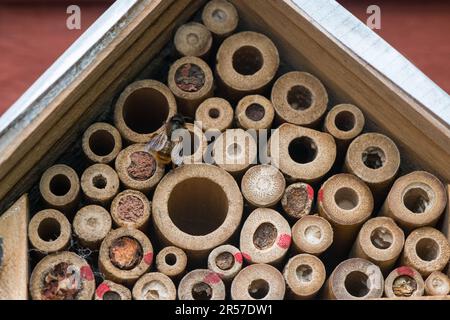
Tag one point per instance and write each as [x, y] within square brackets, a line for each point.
[33, 34]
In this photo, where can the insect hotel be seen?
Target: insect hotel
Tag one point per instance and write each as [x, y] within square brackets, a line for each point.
[314, 162]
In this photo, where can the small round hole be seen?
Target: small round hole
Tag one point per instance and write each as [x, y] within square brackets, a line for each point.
[313, 234]
[49, 229]
[111, 295]
[171, 259]
[247, 60]
[416, 200]
[214, 113]
[357, 284]
[101, 143]
[225, 261]
[201, 291]
[373, 157]
[345, 121]
[219, 15]
[299, 98]
[258, 289]
[60, 185]
[302, 150]
[265, 236]
[234, 150]
[255, 112]
[427, 249]
[346, 198]
[404, 286]
[381, 238]
[304, 273]
[99, 182]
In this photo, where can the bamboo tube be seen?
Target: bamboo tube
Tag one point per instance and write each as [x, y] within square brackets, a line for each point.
[125, 255]
[101, 143]
[201, 284]
[375, 159]
[215, 114]
[49, 231]
[226, 261]
[415, 200]
[426, 250]
[206, 194]
[220, 17]
[297, 200]
[299, 98]
[131, 209]
[154, 286]
[138, 169]
[265, 237]
[305, 275]
[91, 225]
[172, 262]
[437, 284]
[235, 151]
[143, 109]
[380, 241]
[100, 184]
[193, 39]
[60, 188]
[346, 202]
[191, 81]
[354, 279]
[263, 186]
[75, 279]
[258, 282]
[198, 144]
[312, 234]
[344, 122]
[108, 290]
[254, 112]
[246, 64]
[302, 154]
[404, 282]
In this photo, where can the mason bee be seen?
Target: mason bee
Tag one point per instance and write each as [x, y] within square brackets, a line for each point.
[161, 145]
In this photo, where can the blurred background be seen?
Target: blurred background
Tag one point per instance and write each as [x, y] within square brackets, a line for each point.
[33, 35]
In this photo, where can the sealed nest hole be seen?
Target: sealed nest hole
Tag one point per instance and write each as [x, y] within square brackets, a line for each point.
[130, 208]
[265, 236]
[125, 253]
[201, 291]
[255, 112]
[190, 77]
[142, 166]
[61, 283]
[404, 286]
[225, 261]
[297, 199]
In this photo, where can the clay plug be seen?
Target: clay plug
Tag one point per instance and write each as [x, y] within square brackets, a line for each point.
[263, 186]
[172, 262]
[193, 39]
[154, 286]
[209, 196]
[201, 284]
[215, 114]
[191, 81]
[62, 276]
[226, 261]
[258, 282]
[415, 200]
[297, 200]
[100, 184]
[101, 143]
[437, 284]
[305, 275]
[220, 17]
[381, 241]
[108, 290]
[246, 64]
[142, 109]
[49, 231]
[302, 154]
[375, 159]
[344, 122]
[312, 234]
[60, 188]
[346, 202]
[404, 282]
[138, 169]
[131, 209]
[354, 279]
[125, 255]
[91, 225]
[265, 237]
[426, 250]
[254, 112]
[299, 98]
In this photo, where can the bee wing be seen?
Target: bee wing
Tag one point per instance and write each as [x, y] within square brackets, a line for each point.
[157, 142]
[177, 157]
